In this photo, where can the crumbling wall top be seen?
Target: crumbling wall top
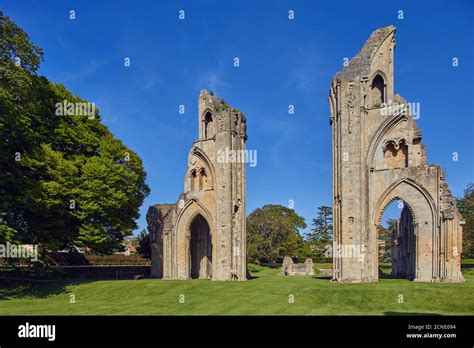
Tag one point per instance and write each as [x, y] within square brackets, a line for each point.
[360, 64]
[216, 103]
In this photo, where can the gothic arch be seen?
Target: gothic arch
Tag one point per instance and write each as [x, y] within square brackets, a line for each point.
[210, 194]
[397, 191]
[378, 72]
[378, 89]
[395, 153]
[378, 220]
[404, 241]
[182, 232]
[200, 179]
[205, 112]
[200, 247]
[195, 207]
[192, 177]
[364, 183]
[422, 208]
[194, 173]
[382, 132]
[208, 124]
[196, 151]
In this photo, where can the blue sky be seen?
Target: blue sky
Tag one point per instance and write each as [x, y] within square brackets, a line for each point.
[282, 62]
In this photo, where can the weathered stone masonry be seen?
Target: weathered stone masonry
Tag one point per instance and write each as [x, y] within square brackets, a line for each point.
[203, 235]
[378, 157]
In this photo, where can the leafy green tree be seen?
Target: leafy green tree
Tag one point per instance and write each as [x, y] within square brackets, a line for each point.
[65, 179]
[24, 122]
[466, 208]
[385, 236]
[273, 233]
[321, 233]
[15, 46]
[144, 248]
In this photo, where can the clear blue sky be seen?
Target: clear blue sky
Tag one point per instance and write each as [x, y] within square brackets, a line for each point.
[282, 62]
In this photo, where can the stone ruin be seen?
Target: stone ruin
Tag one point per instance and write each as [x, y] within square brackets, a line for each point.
[203, 234]
[292, 269]
[379, 157]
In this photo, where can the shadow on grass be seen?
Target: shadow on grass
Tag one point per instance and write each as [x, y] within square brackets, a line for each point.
[34, 288]
[383, 275]
[271, 265]
[322, 277]
[412, 314]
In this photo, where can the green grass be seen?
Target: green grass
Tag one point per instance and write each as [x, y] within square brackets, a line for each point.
[267, 293]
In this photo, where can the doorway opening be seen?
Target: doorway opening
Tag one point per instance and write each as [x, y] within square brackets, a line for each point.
[200, 248]
[397, 241]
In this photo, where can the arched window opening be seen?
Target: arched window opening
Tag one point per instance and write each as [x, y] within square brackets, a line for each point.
[378, 90]
[193, 177]
[397, 241]
[204, 179]
[208, 125]
[396, 155]
[202, 174]
[200, 179]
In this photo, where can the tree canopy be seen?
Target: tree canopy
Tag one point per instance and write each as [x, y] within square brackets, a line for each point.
[66, 180]
[273, 233]
[466, 208]
[321, 234]
[385, 236]
[143, 241]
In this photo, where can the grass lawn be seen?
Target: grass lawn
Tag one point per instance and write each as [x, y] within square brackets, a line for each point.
[267, 293]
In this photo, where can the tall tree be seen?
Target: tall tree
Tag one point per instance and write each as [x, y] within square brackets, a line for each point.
[25, 109]
[321, 234]
[144, 247]
[16, 47]
[385, 236]
[466, 208]
[65, 179]
[273, 233]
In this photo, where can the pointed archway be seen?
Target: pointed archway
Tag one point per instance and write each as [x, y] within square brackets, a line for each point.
[398, 240]
[416, 229]
[200, 248]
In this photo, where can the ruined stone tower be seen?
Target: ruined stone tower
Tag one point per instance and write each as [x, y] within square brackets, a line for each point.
[203, 235]
[378, 157]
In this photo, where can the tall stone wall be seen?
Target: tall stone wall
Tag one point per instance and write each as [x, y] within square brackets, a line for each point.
[378, 157]
[203, 235]
[403, 245]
